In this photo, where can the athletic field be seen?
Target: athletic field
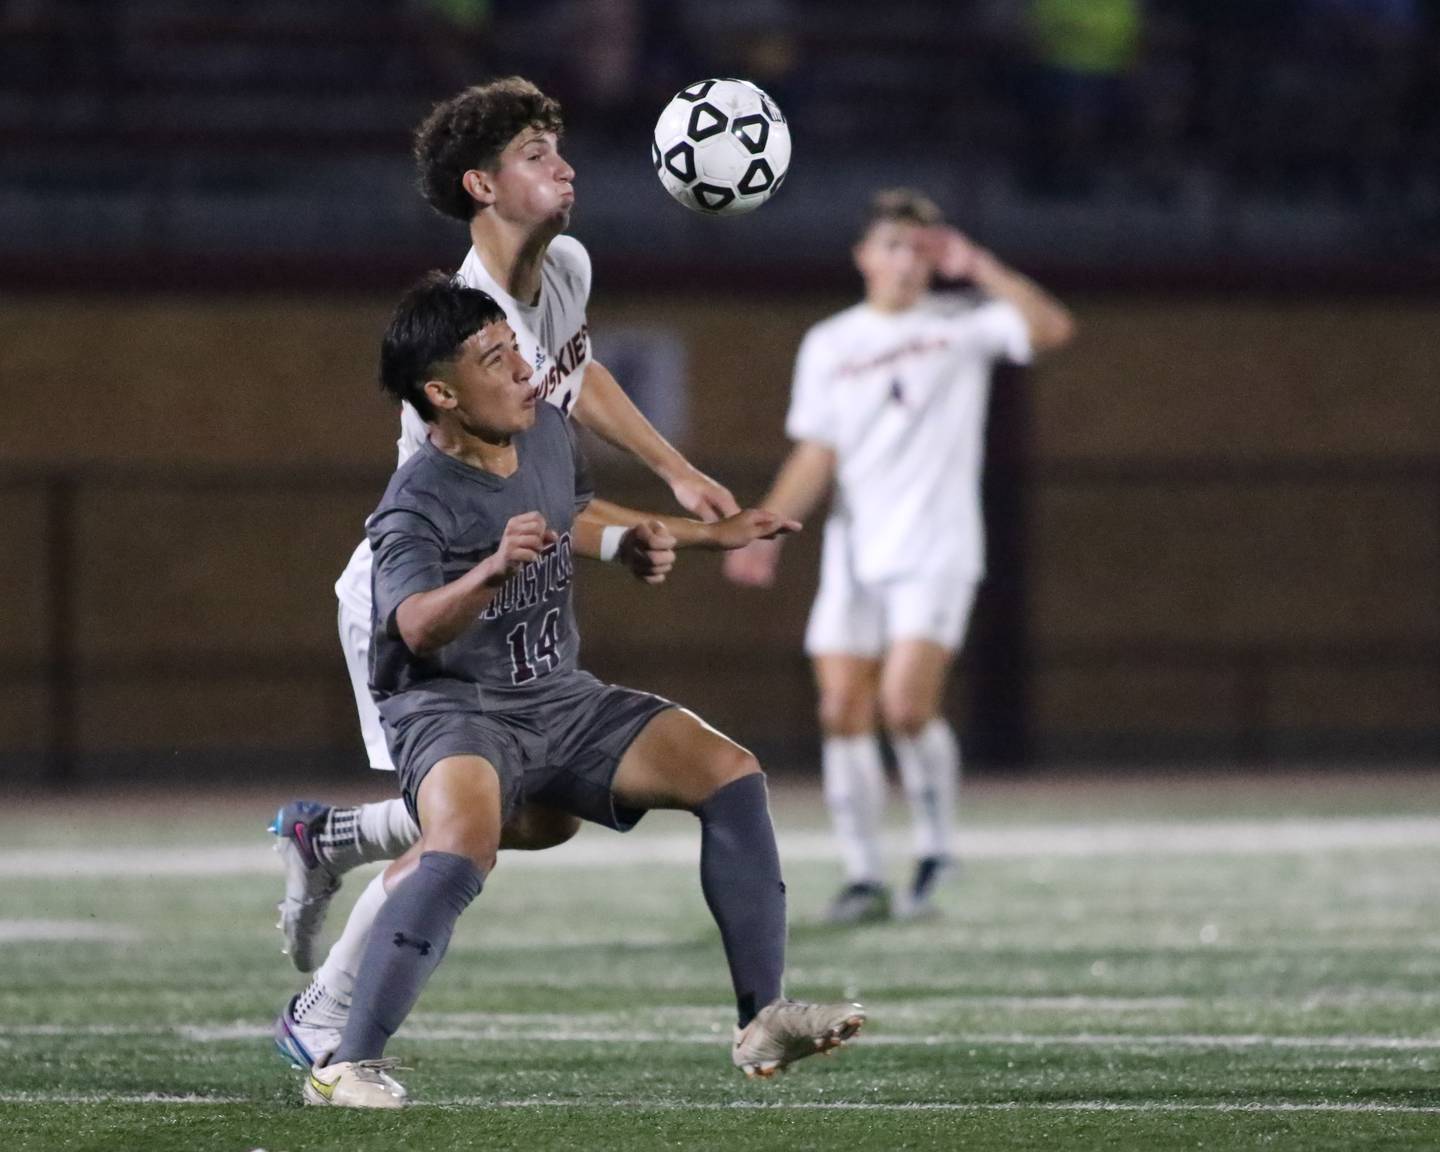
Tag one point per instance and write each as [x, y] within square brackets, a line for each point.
[1206, 962]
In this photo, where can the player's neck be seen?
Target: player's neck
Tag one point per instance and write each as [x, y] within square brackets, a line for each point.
[890, 305]
[489, 453]
[513, 257]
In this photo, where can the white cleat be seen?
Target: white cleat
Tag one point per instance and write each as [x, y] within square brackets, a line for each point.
[788, 1030]
[354, 1084]
[309, 882]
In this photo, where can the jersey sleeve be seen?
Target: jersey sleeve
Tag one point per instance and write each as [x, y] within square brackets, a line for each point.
[811, 415]
[408, 559]
[1003, 333]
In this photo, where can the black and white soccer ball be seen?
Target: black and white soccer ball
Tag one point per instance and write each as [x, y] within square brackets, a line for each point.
[721, 147]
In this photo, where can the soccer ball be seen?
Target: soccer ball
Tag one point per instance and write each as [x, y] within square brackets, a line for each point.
[721, 147]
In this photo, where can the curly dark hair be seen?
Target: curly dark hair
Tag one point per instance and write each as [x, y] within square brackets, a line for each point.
[470, 130]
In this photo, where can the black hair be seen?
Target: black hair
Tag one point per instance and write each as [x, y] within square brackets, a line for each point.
[434, 317]
[470, 130]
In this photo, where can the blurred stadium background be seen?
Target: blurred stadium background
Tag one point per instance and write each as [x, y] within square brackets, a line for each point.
[1202, 690]
[1213, 521]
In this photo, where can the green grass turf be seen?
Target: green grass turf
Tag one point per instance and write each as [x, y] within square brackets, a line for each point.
[1133, 1000]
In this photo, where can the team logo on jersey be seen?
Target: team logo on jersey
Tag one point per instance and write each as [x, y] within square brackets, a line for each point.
[569, 357]
[919, 346]
[536, 582]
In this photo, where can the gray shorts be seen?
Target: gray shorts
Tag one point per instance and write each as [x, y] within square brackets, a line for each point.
[561, 749]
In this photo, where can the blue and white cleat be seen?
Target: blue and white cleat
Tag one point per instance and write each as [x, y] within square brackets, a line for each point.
[304, 1045]
[310, 884]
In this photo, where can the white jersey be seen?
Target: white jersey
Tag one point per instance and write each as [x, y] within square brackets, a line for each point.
[554, 338]
[901, 399]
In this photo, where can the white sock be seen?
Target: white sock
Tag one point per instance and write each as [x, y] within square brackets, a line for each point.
[317, 1005]
[386, 830]
[855, 793]
[337, 974]
[930, 772]
[355, 836]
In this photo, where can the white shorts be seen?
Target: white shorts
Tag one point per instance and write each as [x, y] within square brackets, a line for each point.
[865, 619]
[355, 641]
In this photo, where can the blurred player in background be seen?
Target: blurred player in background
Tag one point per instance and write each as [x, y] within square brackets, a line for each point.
[888, 406]
[489, 157]
[474, 667]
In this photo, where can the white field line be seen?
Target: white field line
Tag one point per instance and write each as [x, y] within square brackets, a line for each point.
[597, 849]
[26, 931]
[115, 1098]
[655, 1105]
[952, 1106]
[505, 1032]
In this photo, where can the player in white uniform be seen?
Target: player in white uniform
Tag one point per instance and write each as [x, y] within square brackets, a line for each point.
[489, 156]
[888, 407]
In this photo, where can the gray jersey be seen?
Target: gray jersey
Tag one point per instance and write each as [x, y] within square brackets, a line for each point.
[438, 519]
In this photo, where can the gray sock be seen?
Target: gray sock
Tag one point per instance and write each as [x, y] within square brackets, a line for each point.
[740, 876]
[409, 938]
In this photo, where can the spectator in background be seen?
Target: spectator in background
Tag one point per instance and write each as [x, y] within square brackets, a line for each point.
[1082, 55]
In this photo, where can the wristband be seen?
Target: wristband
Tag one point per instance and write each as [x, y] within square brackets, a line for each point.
[610, 541]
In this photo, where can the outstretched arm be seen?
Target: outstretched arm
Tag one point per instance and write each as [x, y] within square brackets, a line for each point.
[646, 543]
[604, 408]
[717, 535]
[799, 487]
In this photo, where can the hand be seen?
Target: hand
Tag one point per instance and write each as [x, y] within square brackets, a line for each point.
[648, 550]
[524, 538]
[747, 526]
[754, 565]
[956, 256]
[701, 496]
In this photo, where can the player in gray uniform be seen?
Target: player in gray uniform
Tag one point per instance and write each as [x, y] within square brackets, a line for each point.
[489, 156]
[474, 666]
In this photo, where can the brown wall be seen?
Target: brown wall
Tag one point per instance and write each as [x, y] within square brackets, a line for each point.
[1225, 542]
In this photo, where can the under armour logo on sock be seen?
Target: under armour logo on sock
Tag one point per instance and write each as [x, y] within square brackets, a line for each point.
[421, 946]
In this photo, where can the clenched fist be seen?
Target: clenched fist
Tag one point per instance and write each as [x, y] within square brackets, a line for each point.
[648, 550]
[525, 537]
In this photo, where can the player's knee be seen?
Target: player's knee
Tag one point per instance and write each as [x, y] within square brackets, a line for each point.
[846, 714]
[484, 855]
[730, 763]
[470, 834]
[907, 718]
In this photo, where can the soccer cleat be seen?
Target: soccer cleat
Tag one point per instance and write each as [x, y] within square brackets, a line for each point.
[309, 882]
[354, 1084]
[304, 1045]
[859, 903]
[920, 904]
[788, 1030]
